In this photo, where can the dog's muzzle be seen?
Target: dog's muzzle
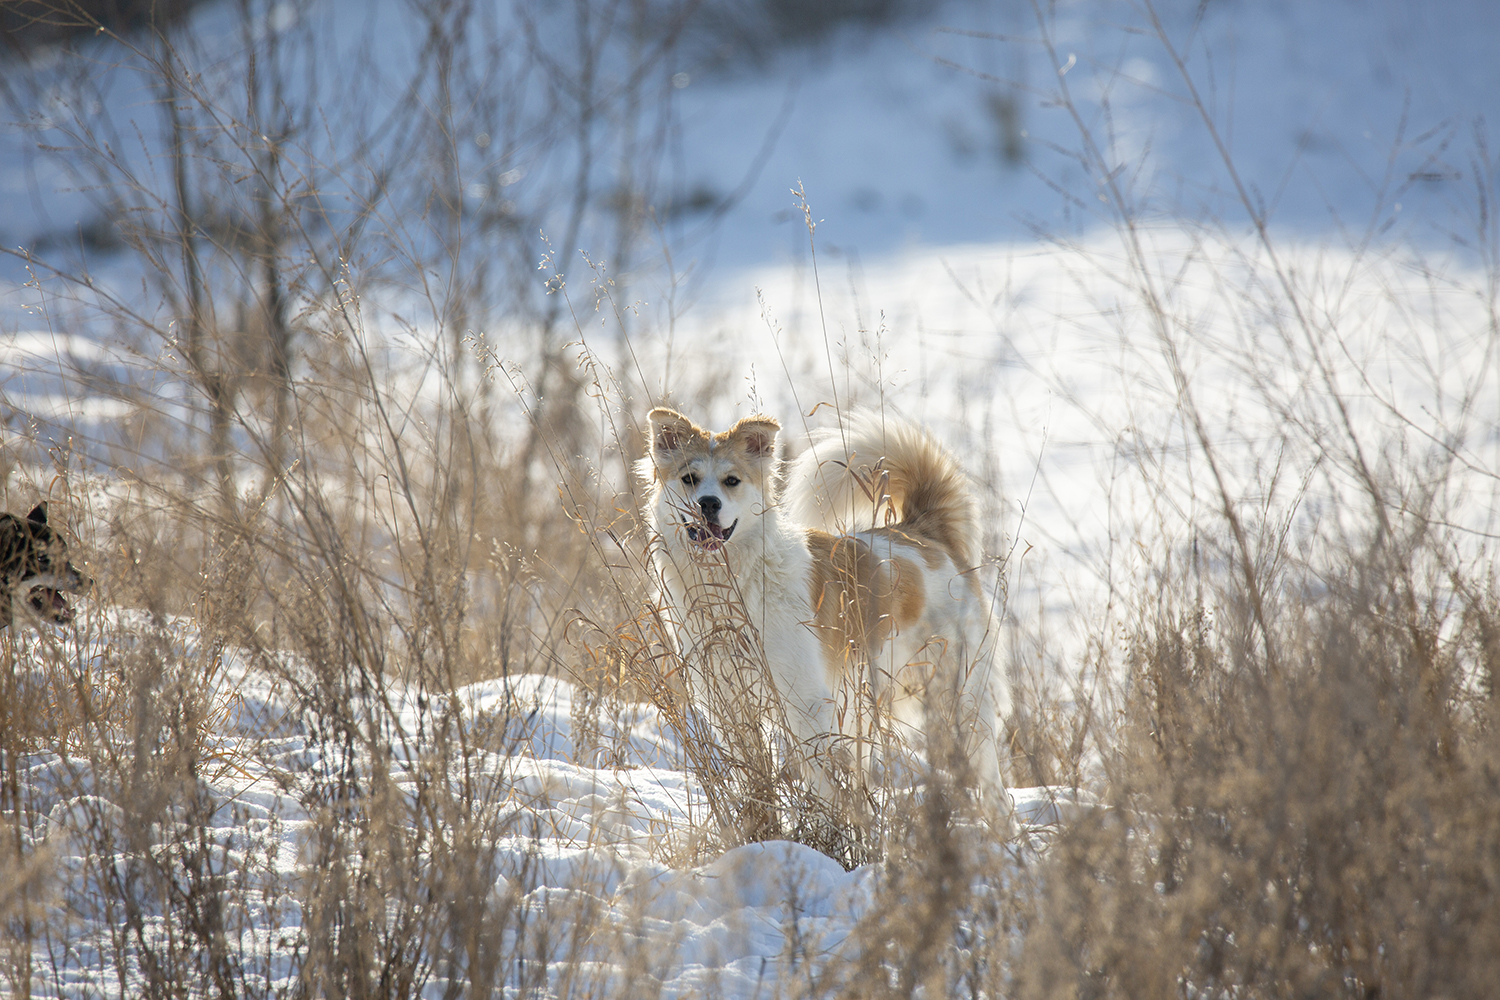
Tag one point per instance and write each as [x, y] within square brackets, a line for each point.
[708, 535]
[44, 593]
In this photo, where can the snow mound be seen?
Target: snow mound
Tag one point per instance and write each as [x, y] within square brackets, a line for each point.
[592, 826]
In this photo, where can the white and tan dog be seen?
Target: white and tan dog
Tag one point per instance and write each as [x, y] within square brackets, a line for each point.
[860, 578]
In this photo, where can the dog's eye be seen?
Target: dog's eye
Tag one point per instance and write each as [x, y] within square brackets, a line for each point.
[732, 481]
[690, 480]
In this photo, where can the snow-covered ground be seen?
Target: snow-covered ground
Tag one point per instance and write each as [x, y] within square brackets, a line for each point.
[1360, 128]
[1337, 113]
[1045, 369]
[590, 841]
[1045, 372]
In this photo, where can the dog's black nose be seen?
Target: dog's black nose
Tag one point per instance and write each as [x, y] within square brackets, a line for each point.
[711, 507]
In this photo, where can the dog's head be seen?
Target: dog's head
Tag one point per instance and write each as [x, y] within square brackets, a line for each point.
[34, 569]
[713, 487]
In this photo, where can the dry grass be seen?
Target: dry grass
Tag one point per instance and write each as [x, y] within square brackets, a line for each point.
[1296, 755]
[1321, 821]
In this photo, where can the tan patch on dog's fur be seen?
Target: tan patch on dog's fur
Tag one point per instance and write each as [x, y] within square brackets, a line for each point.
[859, 600]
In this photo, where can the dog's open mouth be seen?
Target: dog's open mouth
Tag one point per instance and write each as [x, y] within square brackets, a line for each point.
[51, 604]
[707, 536]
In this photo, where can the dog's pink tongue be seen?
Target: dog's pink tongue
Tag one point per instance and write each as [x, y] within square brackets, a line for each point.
[60, 605]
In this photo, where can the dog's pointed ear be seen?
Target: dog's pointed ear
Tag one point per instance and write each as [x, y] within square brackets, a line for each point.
[671, 431]
[38, 514]
[757, 436]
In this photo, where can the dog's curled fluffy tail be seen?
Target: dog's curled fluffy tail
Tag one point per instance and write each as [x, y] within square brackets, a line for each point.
[877, 472]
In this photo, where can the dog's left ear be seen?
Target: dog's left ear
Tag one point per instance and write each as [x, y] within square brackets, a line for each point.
[38, 514]
[757, 435]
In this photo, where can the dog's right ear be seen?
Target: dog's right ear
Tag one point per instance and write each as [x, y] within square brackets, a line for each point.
[671, 432]
[38, 514]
